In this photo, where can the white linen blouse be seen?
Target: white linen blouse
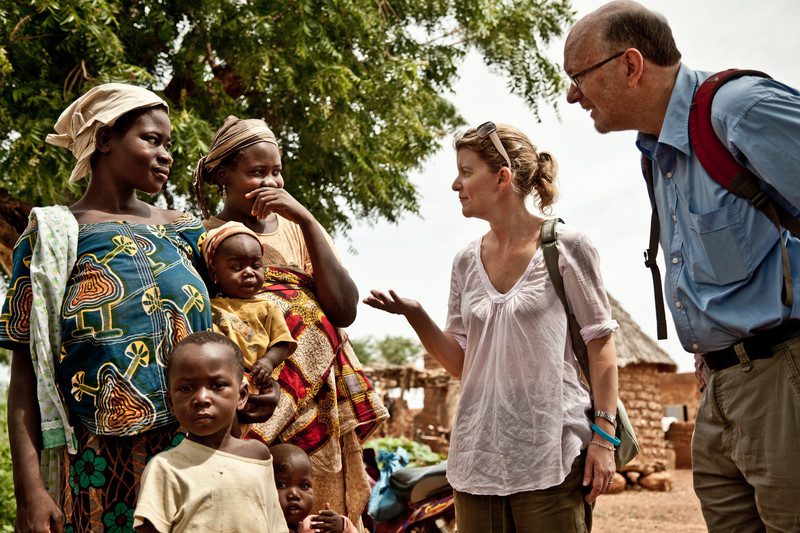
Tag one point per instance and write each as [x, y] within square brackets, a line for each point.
[523, 414]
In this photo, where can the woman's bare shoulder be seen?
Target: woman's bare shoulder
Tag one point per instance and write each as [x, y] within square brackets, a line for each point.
[165, 216]
[142, 214]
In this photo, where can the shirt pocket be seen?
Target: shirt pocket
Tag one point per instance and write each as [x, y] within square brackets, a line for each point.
[719, 255]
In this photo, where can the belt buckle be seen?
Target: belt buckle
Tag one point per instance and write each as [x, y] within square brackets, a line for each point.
[744, 360]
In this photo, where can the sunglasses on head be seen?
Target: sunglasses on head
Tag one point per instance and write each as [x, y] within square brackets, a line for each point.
[490, 129]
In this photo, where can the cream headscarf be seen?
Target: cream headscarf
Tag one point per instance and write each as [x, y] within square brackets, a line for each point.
[100, 106]
[234, 135]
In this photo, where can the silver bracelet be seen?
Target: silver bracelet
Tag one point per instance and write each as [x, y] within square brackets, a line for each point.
[602, 445]
[612, 419]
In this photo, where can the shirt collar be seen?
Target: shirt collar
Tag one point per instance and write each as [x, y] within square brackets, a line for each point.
[675, 129]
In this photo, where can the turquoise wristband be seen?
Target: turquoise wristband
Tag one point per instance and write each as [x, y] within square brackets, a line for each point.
[610, 438]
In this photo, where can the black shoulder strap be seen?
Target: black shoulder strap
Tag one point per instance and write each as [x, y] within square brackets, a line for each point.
[652, 252]
[550, 252]
[720, 164]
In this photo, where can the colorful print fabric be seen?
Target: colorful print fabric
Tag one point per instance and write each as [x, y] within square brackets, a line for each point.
[327, 406]
[104, 476]
[133, 293]
[324, 391]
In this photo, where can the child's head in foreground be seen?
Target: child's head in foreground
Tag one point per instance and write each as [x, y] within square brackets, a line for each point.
[205, 386]
[233, 254]
[293, 480]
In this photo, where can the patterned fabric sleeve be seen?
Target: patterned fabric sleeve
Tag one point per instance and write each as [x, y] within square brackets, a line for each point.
[192, 231]
[15, 318]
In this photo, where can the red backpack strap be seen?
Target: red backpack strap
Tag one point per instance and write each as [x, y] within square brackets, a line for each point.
[720, 164]
[711, 152]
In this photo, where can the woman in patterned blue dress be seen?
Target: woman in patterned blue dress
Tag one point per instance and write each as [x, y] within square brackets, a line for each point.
[132, 287]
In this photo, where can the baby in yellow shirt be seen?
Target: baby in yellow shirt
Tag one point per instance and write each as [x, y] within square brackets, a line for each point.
[233, 254]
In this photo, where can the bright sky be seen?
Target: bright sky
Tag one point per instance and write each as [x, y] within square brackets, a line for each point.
[602, 192]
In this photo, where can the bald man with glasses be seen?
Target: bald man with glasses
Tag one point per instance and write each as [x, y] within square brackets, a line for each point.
[724, 263]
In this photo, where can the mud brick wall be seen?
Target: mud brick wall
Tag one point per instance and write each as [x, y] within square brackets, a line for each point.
[640, 391]
[680, 435]
[681, 389]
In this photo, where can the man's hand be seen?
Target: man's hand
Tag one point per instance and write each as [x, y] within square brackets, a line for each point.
[699, 367]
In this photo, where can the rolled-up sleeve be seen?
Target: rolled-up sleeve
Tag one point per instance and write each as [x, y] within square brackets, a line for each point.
[454, 326]
[580, 267]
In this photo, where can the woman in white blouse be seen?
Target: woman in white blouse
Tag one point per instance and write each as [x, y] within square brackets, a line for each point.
[523, 456]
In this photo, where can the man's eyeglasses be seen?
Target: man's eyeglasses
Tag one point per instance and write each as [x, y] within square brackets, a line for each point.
[574, 78]
[489, 128]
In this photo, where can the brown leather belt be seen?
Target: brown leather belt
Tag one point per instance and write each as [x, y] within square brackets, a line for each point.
[759, 346]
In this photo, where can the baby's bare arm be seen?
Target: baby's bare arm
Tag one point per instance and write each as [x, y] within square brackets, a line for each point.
[262, 369]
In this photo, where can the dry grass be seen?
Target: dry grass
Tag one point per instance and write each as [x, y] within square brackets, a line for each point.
[677, 511]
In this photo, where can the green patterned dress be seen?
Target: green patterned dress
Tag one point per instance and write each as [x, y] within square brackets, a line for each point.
[134, 292]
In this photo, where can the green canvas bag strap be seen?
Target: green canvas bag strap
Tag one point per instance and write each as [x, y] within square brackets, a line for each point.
[629, 446]
[550, 251]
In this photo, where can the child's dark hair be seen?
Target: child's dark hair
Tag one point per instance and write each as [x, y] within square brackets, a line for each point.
[209, 337]
[282, 454]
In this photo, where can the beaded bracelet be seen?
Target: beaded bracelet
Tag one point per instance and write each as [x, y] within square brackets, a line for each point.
[610, 438]
[602, 445]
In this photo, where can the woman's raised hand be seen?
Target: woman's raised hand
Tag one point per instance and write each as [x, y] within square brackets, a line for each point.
[276, 200]
[391, 303]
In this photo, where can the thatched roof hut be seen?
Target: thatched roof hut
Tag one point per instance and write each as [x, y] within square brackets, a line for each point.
[634, 346]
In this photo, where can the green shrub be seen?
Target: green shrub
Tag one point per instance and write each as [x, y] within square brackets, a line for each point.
[418, 454]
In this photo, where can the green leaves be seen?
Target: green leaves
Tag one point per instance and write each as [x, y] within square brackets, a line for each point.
[392, 349]
[418, 454]
[354, 89]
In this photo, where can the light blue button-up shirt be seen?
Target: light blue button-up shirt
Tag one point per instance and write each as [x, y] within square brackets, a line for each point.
[723, 280]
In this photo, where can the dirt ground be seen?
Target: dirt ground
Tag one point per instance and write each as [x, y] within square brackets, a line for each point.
[677, 511]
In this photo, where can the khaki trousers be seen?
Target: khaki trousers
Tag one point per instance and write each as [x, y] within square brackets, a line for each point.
[560, 508]
[746, 445]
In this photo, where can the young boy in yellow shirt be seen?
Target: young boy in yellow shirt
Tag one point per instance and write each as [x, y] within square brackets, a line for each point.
[212, 481]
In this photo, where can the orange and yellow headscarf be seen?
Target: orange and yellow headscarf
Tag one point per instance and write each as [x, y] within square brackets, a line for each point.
[216, 236]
